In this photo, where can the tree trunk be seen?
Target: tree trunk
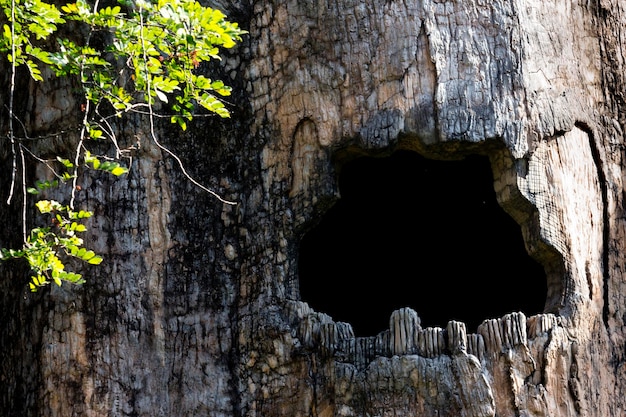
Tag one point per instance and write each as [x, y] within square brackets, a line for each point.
[197, 308]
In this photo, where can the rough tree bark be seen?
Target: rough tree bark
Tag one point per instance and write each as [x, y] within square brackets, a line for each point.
[196, 310]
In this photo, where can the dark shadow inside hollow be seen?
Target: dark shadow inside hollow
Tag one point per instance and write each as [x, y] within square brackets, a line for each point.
[415, 232]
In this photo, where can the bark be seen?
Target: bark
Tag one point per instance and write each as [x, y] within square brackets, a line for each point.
[197, 310]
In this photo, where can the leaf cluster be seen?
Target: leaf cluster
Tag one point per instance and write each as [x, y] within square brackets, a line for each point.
[46, 247]
[153, 53]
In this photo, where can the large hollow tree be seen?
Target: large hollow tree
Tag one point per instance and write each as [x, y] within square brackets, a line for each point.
[196, 308]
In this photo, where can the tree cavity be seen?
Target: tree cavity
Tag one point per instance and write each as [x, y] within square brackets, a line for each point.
[415, 232]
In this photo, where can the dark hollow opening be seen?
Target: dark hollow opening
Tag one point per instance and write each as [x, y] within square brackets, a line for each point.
[415, 232]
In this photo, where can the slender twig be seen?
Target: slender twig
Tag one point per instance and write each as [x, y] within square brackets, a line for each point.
[79, 147]
[11, 97]
[11, 132]
[106, 126]
[24, 232]
[27, 137]
[43, 161]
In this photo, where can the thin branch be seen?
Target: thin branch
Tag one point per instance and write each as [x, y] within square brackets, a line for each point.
[24, 232]
[106, 126]
[11, 98]
[77, 156]
[11, 133]
[182, 168]
[43, 161]
[28, 138]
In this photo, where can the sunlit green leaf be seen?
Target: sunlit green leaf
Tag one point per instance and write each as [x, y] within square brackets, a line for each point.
[161, 95]
[44, 206]
[117, 171]
[96, 260]
[95, 133]
[66, 162]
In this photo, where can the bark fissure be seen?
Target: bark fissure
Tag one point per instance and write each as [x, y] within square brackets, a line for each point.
[595, 153]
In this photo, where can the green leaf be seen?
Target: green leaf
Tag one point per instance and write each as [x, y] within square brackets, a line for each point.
[96, 260]
[66, 176]
[161, 95]
[82, 214]
[117, 171]
[180, 120]
[95, 133]
[44, 206]
[90, 159]
[44, 185]
[66, 162]
[79, 253]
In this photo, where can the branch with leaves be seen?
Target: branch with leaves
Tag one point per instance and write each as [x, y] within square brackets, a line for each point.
[154, 53]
